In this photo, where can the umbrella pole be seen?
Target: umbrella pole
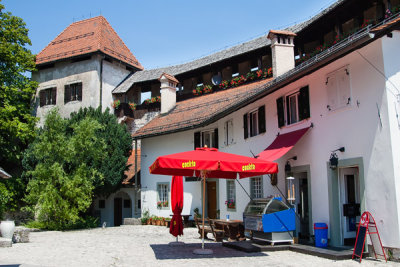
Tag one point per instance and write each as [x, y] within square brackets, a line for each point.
[204, 196]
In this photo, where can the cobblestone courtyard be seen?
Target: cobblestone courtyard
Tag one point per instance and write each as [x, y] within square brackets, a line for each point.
[145, 246]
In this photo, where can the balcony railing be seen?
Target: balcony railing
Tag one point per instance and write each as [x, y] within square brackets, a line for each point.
[125, 110]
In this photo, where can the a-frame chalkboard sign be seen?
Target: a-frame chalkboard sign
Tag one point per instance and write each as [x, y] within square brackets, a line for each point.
[367, 225]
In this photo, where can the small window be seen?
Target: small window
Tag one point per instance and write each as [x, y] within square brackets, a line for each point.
[162, 195]
[228, 127]
[206, 138]
[127, 203]
[254, 122]
[48, 96]
[73, 92]
[256, 189]
[102, 204]
[230, 194]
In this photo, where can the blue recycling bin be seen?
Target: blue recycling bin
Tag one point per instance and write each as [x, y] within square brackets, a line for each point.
[321, 235]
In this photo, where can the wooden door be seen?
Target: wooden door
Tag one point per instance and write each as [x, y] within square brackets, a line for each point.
[212, 199]
[117, 211]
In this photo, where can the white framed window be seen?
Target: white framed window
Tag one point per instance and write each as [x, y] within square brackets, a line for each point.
[338, 89]
[253, 123]
[162, 195]
[207, 139]
[256, 187]
[228, 127]
[292, 103]
[230, 194]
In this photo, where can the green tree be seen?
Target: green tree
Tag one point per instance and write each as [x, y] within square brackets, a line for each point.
[63, 176]
[16, 90]
[119, 145]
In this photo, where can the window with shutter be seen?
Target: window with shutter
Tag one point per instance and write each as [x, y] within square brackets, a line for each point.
[73, 92]
[67, 93]
[294, 107]
[197, 140]
[304, 103]
[228, 128]
[245, 126]
[338, 89]
[261, 119]
[281, 112]
[42, 96]
[48, 96]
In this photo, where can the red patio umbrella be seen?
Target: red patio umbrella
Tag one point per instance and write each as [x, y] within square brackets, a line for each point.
[211, 163]
[176, 227]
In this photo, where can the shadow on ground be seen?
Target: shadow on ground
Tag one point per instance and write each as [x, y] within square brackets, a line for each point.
[167, 252]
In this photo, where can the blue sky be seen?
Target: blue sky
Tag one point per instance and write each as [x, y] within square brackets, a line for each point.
[162, 33]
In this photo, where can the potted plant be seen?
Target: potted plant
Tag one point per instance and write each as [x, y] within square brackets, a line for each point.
[230, 204]
[207, 89]
[224, 84]
[198, 91]
[115, 104]
[132, 106]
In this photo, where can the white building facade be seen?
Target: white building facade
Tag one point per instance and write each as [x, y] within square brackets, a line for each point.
[354, 102]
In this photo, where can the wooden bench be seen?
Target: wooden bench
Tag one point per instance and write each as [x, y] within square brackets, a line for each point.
[209, 227]
[218, 233]
[199, 224]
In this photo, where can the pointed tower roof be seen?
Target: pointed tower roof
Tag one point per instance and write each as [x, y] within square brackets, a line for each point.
[85, 37]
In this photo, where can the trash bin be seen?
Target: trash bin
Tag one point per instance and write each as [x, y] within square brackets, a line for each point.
[321, 235]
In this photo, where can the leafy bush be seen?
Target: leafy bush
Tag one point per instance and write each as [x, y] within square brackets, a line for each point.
[62, 181]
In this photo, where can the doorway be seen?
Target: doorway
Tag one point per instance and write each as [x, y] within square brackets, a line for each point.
[117, 211]
[302, 206]
[349, 190]
[211, 199]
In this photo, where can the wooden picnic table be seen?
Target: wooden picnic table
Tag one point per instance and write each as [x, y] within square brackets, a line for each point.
[234, 229]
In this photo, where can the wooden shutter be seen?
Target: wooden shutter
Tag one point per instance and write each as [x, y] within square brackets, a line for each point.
[245, 128]
[261, 119]
[197, 140]
[281, 112]
[53, 96]
[79, 88]
[216, 138]
[42, 96]
[67, 93]
[304, 103]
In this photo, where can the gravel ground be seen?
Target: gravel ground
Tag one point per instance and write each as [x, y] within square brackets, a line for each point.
[145, 246]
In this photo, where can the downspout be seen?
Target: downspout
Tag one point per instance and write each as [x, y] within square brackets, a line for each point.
[136, 178]
[101, 83]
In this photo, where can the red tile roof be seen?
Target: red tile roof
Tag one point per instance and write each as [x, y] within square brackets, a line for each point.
[169, 77]
[281, 33]
[130, 173]
[84, 37]
[386, 25]
[199, 111]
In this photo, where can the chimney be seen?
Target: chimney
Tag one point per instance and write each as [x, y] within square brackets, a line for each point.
[282, 47]
[168, 92]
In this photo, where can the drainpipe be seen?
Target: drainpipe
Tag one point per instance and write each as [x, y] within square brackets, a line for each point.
[136, 178]
[101, 83]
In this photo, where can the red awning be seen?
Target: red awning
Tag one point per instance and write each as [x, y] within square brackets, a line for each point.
[281, 145]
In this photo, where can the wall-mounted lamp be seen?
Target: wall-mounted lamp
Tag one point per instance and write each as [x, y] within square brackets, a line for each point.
[334, 160]
[288, 168]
